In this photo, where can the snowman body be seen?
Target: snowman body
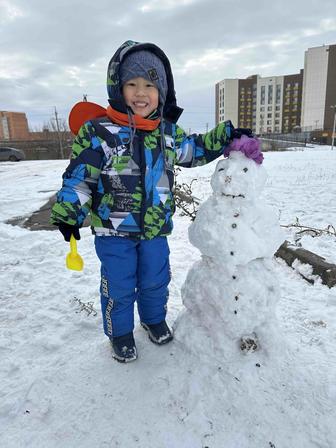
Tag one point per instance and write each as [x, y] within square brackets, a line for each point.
[230, 294]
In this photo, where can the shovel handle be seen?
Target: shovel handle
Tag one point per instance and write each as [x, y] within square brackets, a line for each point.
[73, 245]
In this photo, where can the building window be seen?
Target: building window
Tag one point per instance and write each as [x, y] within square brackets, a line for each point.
[262, 96]
[270, 94]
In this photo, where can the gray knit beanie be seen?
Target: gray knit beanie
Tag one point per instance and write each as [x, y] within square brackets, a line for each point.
[145, 64]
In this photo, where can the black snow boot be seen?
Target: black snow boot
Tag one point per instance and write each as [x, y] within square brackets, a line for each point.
[124, 349]
[158, 333]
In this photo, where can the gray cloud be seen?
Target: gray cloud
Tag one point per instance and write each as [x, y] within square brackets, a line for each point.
[54, 52]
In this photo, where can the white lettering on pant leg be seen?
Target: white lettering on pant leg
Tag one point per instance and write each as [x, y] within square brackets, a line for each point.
[104, 285]
[105, 293]
[108, 316]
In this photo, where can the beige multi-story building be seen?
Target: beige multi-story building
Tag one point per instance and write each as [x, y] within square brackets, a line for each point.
[268, 104]
[319, 88]
[13, 126]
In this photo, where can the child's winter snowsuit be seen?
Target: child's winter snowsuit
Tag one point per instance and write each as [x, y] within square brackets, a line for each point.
[124, 177]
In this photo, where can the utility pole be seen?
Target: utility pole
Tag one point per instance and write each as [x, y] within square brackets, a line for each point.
[334, 128]
[207, 127]
[85, 97]
[59, 134]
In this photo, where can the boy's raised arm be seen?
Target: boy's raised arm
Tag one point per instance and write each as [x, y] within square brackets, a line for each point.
[80, 179]
[199, 149]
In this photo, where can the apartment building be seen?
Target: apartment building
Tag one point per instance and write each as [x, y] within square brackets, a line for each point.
[265, 104]
[236, 100]
[292, 102]
[283, 103]
[269, 102]
[319, 88]
[13, 126]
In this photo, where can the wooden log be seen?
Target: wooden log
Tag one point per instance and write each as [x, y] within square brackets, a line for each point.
[326, 271]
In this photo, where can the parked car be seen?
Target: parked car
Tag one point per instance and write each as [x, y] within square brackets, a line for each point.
[11, 154]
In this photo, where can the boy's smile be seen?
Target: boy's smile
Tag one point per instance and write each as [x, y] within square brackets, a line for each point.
[141, 96]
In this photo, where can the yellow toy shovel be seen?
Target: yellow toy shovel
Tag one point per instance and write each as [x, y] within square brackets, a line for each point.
[73, 260]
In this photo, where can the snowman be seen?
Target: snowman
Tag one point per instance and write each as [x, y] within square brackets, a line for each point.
[230, 293]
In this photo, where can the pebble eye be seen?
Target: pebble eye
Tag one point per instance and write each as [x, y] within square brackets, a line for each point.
[245, 170]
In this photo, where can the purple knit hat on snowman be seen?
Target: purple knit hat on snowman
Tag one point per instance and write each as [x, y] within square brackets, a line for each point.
[249, 146]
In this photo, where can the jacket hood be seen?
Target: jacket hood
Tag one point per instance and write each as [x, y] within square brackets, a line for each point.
[170, 111]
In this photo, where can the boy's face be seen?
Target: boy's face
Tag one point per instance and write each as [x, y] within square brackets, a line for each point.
[141, 96]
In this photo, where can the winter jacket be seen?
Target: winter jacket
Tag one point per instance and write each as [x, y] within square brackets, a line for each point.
[125, 179]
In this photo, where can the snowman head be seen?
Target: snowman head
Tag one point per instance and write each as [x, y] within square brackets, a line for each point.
[238, 176]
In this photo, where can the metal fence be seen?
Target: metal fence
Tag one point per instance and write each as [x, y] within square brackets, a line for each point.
[40, 149]
[280, 142]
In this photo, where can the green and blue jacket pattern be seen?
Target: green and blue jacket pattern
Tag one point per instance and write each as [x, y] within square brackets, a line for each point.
[125, 180]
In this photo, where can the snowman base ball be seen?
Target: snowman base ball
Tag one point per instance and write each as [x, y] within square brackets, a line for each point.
[229, 309]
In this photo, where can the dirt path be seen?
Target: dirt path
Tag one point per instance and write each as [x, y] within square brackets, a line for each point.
[39, 220]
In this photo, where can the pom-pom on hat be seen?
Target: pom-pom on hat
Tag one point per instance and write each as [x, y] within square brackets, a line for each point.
[147, 65]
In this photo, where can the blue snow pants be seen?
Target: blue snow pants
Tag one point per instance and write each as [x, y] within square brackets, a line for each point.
[132, 271]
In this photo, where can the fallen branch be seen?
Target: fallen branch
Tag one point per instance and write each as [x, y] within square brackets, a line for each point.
[312, 231]
[184, 199]
[87, 307]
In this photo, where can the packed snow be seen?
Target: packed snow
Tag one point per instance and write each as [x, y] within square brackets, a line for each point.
[60, 387]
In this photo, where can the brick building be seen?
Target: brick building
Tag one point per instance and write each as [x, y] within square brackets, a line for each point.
[292, 102]
[13, 126]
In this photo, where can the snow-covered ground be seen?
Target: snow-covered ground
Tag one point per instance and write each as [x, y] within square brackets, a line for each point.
[59, 386]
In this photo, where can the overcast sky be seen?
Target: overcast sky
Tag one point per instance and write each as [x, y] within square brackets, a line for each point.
[53, 52]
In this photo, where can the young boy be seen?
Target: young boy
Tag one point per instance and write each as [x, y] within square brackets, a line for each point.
[122, 172]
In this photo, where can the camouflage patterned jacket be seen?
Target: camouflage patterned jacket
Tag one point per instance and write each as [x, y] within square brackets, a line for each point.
[127, 186]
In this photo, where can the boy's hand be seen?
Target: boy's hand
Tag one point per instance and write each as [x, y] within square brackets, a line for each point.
[238, 132]
[67, 230]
